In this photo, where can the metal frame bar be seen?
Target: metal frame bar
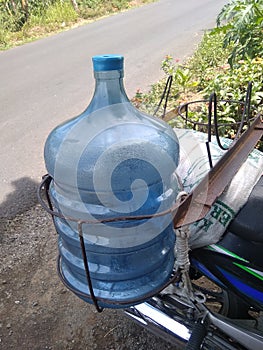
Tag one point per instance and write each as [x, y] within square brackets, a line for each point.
[196, 205]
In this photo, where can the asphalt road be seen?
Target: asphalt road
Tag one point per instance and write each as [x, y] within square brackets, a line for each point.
[45, 82]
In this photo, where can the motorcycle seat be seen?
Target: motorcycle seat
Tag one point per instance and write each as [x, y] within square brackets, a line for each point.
[248, 223]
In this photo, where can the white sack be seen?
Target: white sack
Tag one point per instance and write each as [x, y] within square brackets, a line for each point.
[194, 165]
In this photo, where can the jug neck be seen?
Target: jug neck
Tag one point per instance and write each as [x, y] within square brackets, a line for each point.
[109, 89]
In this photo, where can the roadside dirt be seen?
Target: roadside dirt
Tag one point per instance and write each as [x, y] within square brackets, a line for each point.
[37, 312]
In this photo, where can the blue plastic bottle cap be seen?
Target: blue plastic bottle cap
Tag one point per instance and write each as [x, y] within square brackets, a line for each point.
[107, 62]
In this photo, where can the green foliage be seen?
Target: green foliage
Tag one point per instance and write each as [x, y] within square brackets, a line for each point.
[17, 17]
[3, 35]
[241, 22]
[232, 83]
[188, 78]
[147, 102]
[22, 20]
[16, 13]
[55, 15]
[12, 17]
[182, 75]
[90, 3]
[182, 81]
[209, 56]
[95, 8]
[207, 71]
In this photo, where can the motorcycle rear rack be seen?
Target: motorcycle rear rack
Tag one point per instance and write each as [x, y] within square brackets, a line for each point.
[213, 184]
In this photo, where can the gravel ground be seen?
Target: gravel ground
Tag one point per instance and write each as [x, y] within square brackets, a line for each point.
[37, 312]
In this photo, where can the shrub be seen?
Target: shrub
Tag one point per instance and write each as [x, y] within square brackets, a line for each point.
[241, 23]
[209, 57]
[232, 83]
[207, 71]
[55, 15]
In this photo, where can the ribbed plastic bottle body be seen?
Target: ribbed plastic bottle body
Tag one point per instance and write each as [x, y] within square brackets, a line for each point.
[110, 162]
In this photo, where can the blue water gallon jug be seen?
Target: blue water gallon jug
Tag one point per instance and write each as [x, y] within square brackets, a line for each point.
[113, 161]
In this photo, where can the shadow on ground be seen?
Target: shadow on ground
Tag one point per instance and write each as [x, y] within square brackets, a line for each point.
[21, 199]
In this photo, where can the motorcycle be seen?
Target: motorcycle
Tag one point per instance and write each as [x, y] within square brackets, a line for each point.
[214, 299]
[217, 300]
[228, 317]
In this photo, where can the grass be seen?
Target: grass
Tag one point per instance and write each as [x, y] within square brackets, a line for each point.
[57, 17]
